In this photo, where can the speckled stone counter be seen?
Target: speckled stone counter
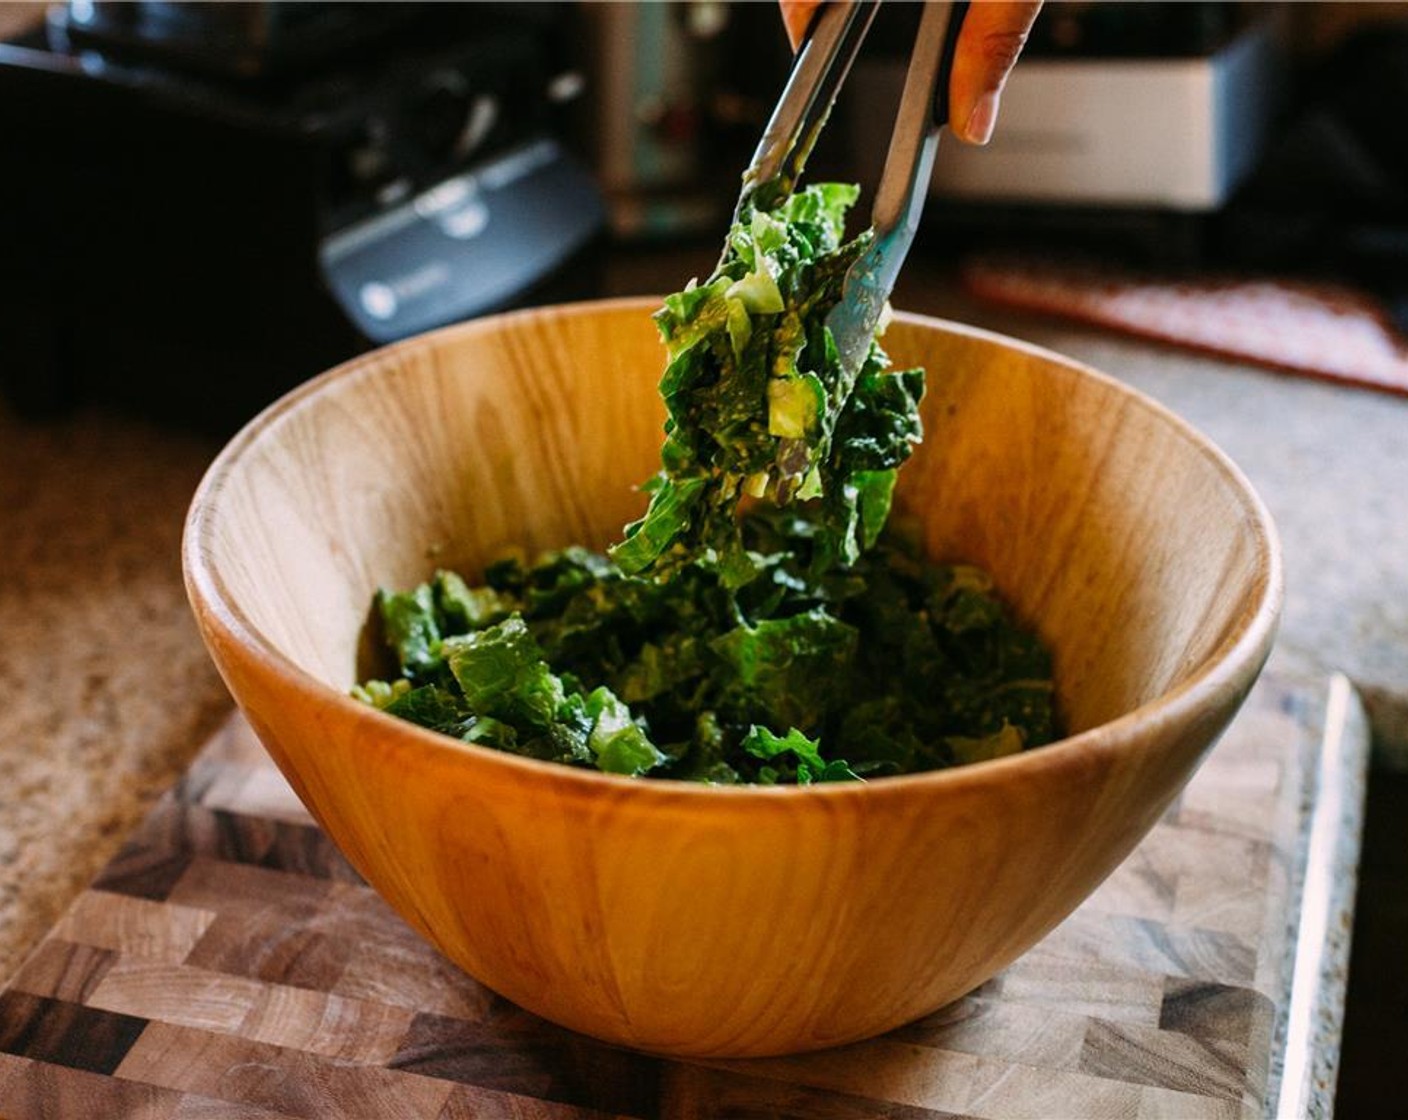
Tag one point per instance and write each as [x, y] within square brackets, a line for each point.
[108, 692]
[107, 689]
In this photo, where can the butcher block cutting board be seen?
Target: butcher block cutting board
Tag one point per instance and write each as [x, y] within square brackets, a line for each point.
[229, 963]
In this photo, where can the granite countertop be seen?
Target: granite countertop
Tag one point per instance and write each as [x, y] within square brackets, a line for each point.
[109, 691]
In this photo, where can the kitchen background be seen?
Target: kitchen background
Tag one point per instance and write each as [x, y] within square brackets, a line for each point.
[303, 180]
[202, 206]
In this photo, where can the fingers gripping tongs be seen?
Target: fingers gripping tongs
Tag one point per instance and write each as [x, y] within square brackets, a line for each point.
[824, 59]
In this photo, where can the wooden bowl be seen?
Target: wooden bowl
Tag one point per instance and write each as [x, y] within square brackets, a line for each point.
[703, 921]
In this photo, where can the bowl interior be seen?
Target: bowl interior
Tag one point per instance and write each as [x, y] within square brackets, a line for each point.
[1135, 548]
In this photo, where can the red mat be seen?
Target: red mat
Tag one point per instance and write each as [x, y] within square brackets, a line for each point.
[1316, 329]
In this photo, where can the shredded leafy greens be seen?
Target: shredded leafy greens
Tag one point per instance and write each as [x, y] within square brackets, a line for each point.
[759, 406]
[890, 666]
[759, 623]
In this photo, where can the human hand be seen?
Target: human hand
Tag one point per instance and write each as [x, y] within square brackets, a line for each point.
[992, 36]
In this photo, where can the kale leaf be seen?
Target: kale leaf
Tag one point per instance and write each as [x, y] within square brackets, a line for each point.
[759, 406]
[889, 666]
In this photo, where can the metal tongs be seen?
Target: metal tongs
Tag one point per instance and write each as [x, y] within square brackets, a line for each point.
[820, 68]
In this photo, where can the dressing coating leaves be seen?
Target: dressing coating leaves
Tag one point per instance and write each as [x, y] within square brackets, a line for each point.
[801, 675]
[759, 406]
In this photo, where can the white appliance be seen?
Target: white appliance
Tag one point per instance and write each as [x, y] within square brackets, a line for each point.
[1175, 133]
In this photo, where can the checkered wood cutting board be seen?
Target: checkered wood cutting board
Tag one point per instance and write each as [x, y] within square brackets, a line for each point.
[230, 963]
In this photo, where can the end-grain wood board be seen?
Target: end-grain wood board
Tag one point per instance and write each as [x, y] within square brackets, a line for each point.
[230, 963]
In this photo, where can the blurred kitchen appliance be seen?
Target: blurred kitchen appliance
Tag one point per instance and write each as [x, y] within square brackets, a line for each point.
[1116, 105]
[680, 92]
[1173, 132]
[650, 112]
[1125, 131]
[212, 202]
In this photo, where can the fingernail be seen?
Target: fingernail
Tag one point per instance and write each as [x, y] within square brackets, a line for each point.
[978, 128]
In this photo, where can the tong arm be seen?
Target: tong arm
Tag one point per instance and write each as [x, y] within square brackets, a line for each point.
[822, 64]
[899, 198]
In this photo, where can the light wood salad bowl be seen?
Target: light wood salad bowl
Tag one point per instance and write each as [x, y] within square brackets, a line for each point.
[706, 921]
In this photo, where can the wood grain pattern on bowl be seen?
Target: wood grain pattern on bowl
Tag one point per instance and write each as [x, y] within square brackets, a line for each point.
[688, 919]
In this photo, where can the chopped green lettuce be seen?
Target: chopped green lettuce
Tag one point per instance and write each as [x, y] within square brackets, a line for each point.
[806, 760]
[795, 675]
[503, 674]
[411, 628]
[617, 739]
[758, 404]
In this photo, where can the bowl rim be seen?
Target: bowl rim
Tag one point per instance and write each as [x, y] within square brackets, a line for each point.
[1233, 663]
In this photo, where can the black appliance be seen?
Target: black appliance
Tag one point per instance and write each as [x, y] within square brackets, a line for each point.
[205, 204]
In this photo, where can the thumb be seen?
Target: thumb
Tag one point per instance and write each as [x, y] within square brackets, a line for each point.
[796, 17]
[993, 35]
